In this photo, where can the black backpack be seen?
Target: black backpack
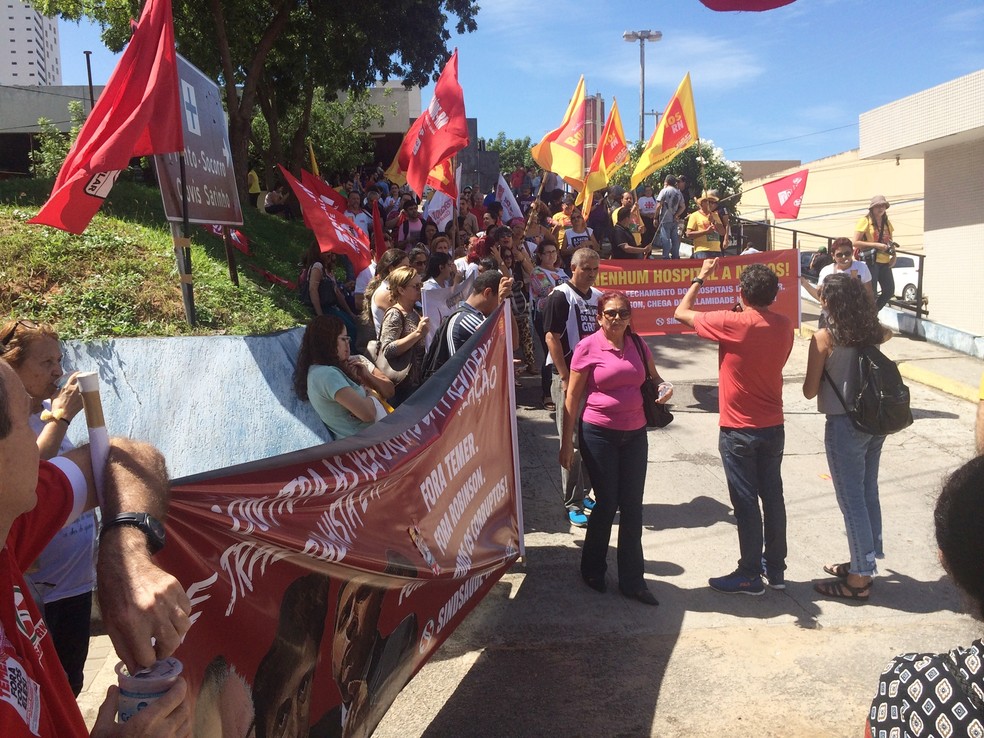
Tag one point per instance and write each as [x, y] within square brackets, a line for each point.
[326, 289]
[439, 352]
[881, 405]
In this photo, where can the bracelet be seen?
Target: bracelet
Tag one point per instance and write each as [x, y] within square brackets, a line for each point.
[697, 280]
[65, 420]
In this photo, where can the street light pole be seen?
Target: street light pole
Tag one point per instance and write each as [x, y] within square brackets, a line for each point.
[642, 37]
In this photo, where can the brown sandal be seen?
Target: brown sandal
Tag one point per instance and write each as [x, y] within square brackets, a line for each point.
[840, 588]
[838, 570]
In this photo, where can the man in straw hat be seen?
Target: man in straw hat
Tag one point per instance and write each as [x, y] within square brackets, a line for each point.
[705, 229]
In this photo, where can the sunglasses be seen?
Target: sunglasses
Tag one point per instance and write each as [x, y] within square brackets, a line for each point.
[27, 324]
[842, 253]
[624, 314]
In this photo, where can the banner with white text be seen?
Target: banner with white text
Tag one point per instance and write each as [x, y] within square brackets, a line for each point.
[322, 580]
[655, 287]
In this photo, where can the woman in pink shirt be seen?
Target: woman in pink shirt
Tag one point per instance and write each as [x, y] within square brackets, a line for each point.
[607, 370]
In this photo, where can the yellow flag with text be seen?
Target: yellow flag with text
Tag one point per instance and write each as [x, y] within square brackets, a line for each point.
[611, 154]
[677, 130]
[562, 150]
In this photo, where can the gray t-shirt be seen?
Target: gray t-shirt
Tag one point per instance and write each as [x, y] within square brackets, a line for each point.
[672, 201]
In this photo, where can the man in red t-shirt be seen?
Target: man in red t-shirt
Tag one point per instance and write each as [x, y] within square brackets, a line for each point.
[139, 601]
[753, 346]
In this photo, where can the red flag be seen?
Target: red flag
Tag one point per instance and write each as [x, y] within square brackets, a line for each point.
[785, 195]
[745, 5]
[439, 133]
[138, 114]
[333, 229]
[377, 230]
[317, 185]
[237, 237]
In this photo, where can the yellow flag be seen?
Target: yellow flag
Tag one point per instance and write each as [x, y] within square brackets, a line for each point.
[612, 153]
[562, 150]
[314, 164]
[677, 130]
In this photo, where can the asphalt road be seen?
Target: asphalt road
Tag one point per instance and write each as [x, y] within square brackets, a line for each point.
[544, 655]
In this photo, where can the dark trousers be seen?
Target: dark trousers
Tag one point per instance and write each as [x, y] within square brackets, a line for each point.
[68, 623]
[616, 462]
[752, 460]
[546, 370]
[881, 275]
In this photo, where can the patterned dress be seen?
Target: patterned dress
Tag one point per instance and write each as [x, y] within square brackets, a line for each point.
[940, 695]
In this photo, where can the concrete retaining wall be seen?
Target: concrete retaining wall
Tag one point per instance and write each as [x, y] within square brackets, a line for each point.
[206, 402]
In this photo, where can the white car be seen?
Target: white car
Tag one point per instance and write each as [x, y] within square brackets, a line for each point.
[906, 275]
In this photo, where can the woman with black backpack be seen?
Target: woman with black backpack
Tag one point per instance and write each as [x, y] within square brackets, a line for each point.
[832, 373]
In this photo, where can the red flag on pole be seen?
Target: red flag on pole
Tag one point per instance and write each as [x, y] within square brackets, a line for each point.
[138, 114]
[317, 185]
[333, 229]
[438, 134]
[785, 195]
[377, 230]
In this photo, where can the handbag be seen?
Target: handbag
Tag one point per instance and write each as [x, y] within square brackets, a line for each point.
[657, 414]
[397, 369]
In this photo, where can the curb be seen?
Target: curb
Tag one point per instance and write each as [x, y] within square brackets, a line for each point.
[953, 387]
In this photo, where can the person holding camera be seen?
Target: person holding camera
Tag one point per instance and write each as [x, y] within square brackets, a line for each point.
[874, 246]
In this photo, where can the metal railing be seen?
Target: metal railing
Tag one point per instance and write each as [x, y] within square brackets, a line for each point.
[770, 237]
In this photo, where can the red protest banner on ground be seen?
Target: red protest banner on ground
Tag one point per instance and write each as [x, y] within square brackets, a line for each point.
[655, 287]
[137, 114]
[333, 229]
[322, 580]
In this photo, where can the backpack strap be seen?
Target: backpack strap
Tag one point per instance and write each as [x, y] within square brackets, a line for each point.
[837, 392]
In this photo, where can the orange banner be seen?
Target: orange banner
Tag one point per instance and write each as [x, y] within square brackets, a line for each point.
[655, 287]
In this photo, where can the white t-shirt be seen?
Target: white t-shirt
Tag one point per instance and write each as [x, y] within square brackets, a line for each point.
[365, 276]
[361, 219]
[647, 206]
[858, 268]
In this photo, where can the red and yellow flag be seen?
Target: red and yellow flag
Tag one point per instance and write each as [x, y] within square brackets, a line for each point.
[562, 150]
[612, 153]
[677, 130]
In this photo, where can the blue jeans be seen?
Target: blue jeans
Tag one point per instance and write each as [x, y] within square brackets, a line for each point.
[881, 275]
[669, 239]
[752, 460]
[616, 462]
[853, 457]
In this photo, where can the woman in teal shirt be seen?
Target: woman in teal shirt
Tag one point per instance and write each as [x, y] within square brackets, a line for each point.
[344, 389]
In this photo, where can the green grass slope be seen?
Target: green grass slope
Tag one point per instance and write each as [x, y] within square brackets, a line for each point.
[119, 278]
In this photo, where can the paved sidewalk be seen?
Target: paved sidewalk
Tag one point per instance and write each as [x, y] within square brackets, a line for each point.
[544, 655]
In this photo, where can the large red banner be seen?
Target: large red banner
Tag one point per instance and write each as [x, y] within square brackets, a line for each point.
[322, 580]
[655, 288]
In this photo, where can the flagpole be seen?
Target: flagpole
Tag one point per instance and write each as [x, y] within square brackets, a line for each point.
[182, 249]
[703, 174]
[456, 205]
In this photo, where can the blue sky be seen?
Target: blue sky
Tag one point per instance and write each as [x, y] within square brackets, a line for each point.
[784, 84]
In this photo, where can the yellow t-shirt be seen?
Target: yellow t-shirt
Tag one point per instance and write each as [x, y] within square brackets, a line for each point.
[870, 233]
[699, 222]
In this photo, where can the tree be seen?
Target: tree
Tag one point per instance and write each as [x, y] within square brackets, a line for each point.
[290, 47]
[513, 152]
[339, 130]
[53, 145]
[704, 164]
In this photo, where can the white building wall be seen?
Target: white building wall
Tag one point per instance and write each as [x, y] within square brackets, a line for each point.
[29, 49]
[954, 236]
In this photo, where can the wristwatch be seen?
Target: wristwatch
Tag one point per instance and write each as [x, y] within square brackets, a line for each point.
[147, 523]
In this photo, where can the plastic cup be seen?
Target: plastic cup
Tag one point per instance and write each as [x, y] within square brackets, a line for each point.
[139, 690]
[664, 388]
